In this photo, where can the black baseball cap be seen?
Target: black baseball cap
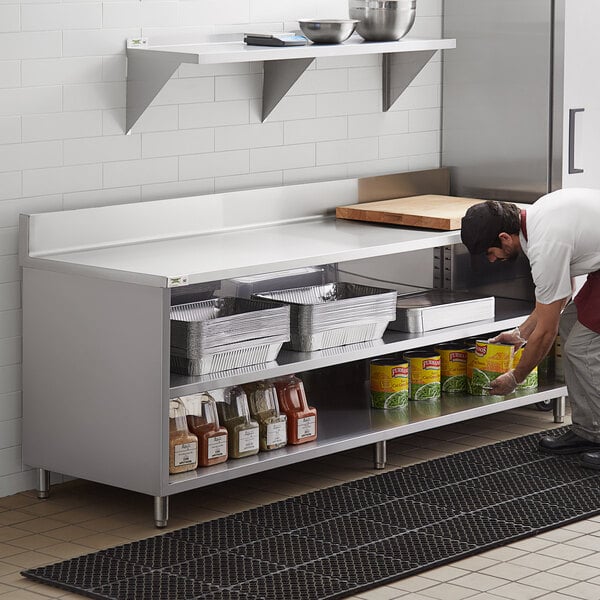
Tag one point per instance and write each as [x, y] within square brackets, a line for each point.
[482, 224]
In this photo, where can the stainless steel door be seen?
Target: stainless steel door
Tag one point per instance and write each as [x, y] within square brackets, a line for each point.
[497, 98]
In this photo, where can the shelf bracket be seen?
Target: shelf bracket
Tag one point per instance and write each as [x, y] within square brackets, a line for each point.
[147, 74]
[279, 77]
[399, 69]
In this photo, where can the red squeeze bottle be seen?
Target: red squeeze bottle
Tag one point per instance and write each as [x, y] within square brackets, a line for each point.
[301, 418]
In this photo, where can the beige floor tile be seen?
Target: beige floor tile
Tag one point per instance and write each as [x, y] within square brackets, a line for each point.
[589, 526]
[41, 525]
[15, 579]
[583, 590]
[381, 593]
[555, 596]
[566, 552]
[28, 560]
[24, 595]
[8, 550]
[103, 524]
[445, 573]
[548, 581]
[590, 560]
[416, 583]
[6, 588]
[17, 501]
[532, 544]
[69, 533]
[36, 541]
[538, 561]
[508, 571]
[481, 582]
[101, 541]
[503, 553]
[579, 570]
[518, 591]
[14, 517]
[475, 563]
[448, 591]
[66, 550]
[7, 569]
[559, 535]
[589, 542]
[46, 590]
[10, 533]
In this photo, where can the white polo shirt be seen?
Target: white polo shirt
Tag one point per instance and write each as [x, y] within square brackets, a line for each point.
[563, 240]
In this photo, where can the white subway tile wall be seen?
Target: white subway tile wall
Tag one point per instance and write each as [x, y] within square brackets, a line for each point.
[62, 119]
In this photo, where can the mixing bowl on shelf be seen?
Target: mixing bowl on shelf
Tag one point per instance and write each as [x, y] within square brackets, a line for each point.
[383, 20]
[327, 31]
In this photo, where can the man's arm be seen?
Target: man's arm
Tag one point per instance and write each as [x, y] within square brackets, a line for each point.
[540, 330]
[540, 340]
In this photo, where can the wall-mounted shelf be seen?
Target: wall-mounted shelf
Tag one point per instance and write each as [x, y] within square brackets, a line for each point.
[150, 67]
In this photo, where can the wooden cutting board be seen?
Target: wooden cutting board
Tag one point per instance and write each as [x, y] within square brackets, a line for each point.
[428, 211]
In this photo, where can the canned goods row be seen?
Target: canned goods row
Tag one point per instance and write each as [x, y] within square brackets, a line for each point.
[450, 368]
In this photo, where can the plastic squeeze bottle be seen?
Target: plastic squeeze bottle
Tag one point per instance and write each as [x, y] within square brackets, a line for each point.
[264, 407]
[235, 416]
[301, 418]
[203, 422]
[183, 445]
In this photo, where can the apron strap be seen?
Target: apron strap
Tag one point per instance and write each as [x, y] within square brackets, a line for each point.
[524, 223]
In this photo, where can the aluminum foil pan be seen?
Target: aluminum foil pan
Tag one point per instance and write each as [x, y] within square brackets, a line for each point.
[202, 326]
[334, 314]
[226, 360]
[319, 308]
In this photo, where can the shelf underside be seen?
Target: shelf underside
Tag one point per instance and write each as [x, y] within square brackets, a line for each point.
[509, 313]
[351, 423]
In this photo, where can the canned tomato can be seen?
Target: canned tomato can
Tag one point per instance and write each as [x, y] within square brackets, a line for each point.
[491, 360]
[423, 375]
[453, 371]
[470, 362]
[389, 383]
[531, 381]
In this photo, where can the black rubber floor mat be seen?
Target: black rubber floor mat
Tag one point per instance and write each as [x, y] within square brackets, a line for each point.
[340, 541]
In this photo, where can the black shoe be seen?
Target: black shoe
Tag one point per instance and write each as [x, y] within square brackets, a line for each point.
[590, 460]
[567, 443]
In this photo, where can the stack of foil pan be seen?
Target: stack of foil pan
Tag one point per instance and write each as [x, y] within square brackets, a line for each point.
[225, 333]
[334, 314]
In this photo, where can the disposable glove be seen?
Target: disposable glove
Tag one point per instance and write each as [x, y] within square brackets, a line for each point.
[503, 384]
[512, 337]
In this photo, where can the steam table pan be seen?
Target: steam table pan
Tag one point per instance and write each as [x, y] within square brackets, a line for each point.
[435, 309]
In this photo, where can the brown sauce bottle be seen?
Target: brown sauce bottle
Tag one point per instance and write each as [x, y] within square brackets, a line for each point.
[203, 422]
[301, 418]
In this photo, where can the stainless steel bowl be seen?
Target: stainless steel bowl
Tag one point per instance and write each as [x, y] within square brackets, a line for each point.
[383, 20]
[327, 31]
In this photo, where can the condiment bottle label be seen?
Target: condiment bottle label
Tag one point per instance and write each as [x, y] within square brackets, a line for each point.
[276, 434]
[217, 446]
[307, 427]
[248, 440]
[186, 454]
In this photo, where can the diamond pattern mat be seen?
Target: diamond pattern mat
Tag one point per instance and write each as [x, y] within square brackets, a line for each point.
[340, 541]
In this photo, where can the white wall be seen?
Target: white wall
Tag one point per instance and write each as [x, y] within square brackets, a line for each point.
[62, 115]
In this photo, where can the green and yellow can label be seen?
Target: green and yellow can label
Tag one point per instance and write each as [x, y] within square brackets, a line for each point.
[424, 375]
[453, 373]
[490, 361]
[470, 362]
[531, 381]
[389, 383]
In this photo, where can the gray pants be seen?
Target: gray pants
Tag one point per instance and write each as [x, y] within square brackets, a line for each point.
[581, 358]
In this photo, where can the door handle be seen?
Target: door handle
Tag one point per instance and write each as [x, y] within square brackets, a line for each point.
[572, 113]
